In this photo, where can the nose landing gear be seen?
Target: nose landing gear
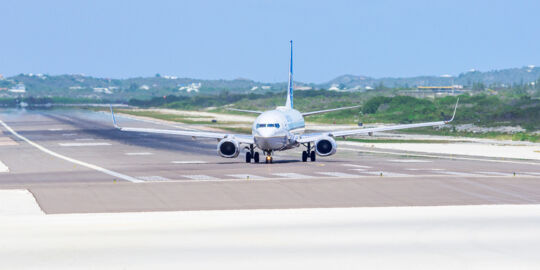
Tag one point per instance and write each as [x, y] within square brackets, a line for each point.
[268, 157]
[308, 154]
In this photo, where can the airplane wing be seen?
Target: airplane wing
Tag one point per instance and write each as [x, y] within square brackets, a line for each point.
[329, 110]
[241, 138]
[246, 111]
[344, 133]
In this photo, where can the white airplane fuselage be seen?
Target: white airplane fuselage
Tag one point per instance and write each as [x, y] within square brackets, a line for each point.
[275, 130]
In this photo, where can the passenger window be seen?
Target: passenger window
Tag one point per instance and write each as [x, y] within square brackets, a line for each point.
[261, 125]
[270, 125]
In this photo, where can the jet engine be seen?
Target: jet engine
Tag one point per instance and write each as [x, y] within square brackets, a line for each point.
[325, 147]
[228, 148]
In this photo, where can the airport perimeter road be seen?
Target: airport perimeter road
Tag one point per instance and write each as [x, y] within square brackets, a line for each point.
[76, 162]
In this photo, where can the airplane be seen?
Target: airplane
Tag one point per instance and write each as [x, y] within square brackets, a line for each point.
[278, 130]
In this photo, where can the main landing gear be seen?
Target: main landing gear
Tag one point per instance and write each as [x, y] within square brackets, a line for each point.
[308, 154]
[252, 155]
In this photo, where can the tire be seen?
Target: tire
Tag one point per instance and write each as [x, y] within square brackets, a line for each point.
[248, 157]
[312, 156]
[304, 156]
[256, 157]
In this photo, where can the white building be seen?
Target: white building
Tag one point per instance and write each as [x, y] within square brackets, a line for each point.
[193, 87]
[19, 88]
[103, 90]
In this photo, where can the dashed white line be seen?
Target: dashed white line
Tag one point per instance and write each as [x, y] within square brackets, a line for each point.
[200, 177]
[3, 167]
[532, 173]
[292, 175]
[84, 144]
[392, 174]
[55, 129]
[409, 160]
[247, 176]
[82, 163]
[153, 178]
[458, 173]
[138, 154]
[69, 134]
[356, 166]
[497, 173]
[339, 174]
[189, 162]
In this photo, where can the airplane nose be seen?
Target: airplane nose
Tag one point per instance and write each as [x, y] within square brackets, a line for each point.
[266, 132]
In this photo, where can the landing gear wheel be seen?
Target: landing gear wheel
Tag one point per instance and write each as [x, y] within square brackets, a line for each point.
[312, 155]
[256, 157]
[304, 156]
[248, 157]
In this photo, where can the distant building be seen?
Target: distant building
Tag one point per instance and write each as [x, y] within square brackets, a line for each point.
[144, 87]
[76, 87]
[265, 87]
[193, 87]
[254, 88]
[103, 90]
[303, 88]
[450, 88]
[18, 88]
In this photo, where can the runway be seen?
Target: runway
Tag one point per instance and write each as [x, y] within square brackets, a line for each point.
[74, 161]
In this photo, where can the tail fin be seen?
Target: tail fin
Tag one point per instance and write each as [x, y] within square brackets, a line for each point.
[289, 103]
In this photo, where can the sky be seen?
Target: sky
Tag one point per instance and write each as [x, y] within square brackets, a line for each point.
[250, 39]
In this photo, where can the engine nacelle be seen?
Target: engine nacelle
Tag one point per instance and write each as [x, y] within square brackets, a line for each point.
[228, 148]
[325, 147]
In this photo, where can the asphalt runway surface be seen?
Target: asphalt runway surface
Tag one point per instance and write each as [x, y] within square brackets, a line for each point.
[74, 161]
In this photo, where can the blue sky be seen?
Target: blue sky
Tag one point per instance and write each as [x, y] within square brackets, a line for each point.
[249, 39]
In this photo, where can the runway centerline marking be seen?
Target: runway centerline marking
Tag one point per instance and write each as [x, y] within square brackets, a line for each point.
[200, 177]
[3, 167]
[497, 173]
[356, 166]
[189, 162]
[391, 174]
[138, 154]
[292, 175]
[245, 176]
[153, 178]
[338, 174]
[84, 144]
[409, 160]
[459, 173]
[72, 160]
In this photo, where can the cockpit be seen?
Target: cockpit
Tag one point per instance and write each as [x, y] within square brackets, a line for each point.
[276, 125]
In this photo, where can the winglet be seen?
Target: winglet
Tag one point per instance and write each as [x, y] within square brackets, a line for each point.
[113, 118]
[453, 115]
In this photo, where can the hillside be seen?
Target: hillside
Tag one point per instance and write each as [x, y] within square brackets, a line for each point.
[81, 86]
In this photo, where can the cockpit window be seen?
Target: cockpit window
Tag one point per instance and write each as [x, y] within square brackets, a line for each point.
[276, 125]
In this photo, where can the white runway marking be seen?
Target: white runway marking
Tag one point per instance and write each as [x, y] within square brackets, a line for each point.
[339, 174]
[245, 176]
[532, 173]
[55, 129]
[200, 177]
[497, 173]
[69, 134]
[83, 144]
[459, 173]
[391, 174]
[138, 154]
[153, 178]
[416, 169]
[409, 160]
[189, 162]
[18, 202]
[356, 166]
[85, 139]
[82, 163]
[292, 175]
[3, 167]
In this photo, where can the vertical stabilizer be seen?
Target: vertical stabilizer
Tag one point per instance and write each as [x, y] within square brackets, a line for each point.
[289, 103]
